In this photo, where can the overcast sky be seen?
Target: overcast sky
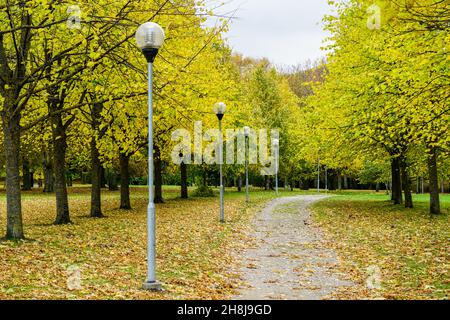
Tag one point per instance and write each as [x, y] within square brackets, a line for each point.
[288, 32]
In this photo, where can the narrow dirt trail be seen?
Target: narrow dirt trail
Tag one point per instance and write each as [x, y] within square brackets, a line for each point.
[291, 261]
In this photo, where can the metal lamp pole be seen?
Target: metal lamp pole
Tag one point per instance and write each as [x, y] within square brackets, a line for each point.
[219, 110]
[247, 187]
[150, 37]
[318, 175]
[276, 144]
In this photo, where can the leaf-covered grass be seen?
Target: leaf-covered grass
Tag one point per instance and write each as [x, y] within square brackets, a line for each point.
[410, 247]
[196, 254]
[194, 251]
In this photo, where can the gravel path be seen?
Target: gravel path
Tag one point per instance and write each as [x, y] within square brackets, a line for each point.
[291, 262]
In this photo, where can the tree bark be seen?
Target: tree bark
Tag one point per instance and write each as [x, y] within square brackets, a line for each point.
[184, 183]
[96, 165]
[240, 183]
[267, 183]
[397, 196]
[59, 165]
[49, 185]
[27, 183]
[11, 116]
[96, 173]
[125, 203]
[11, 143]
[158, 177]
[435, 206]
[406, 183]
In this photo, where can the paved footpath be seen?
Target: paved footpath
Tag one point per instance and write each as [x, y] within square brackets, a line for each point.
[291, 261]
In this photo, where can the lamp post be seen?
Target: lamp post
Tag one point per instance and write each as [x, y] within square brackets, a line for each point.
[220, 109]
[318, 175]
[247, 188]
[150, 37]
[276, 145]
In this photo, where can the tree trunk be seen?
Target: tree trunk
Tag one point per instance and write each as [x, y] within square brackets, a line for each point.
[11, 144]
[184, 184]
[422, 185]
[125, 203]
[332, 183]
[406, 185]
[49, 185]
[96, 165]
[345, 182]
[158, 177]
[435, 207]
[27, 176]
[339, 180]
[204, 176]
[397, 196]
[112, 180]
[240, 183]
[59, 167]
[418, 185]
[11, 115]
[69, 180]
[96, 176]
[103, 180]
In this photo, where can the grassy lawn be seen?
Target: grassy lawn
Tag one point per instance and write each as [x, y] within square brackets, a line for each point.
[410, 248]
[195, 252]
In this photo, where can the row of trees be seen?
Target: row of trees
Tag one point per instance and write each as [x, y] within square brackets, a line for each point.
[384, 97]
[73, 95]
[73, 88]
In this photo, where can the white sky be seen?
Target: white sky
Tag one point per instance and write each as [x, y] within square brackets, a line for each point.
[288, 32]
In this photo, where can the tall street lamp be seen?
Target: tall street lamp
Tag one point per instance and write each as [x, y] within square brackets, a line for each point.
[276, 145]
[318, 175]
[150, 37]
[219, 109]
[247, 188]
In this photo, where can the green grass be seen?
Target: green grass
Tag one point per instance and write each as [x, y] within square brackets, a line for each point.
[194, 248]
[409, 245]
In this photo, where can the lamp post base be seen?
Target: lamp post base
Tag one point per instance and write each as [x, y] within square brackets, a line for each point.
[152, 286]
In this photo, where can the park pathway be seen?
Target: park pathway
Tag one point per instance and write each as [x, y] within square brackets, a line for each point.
[291, 260]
